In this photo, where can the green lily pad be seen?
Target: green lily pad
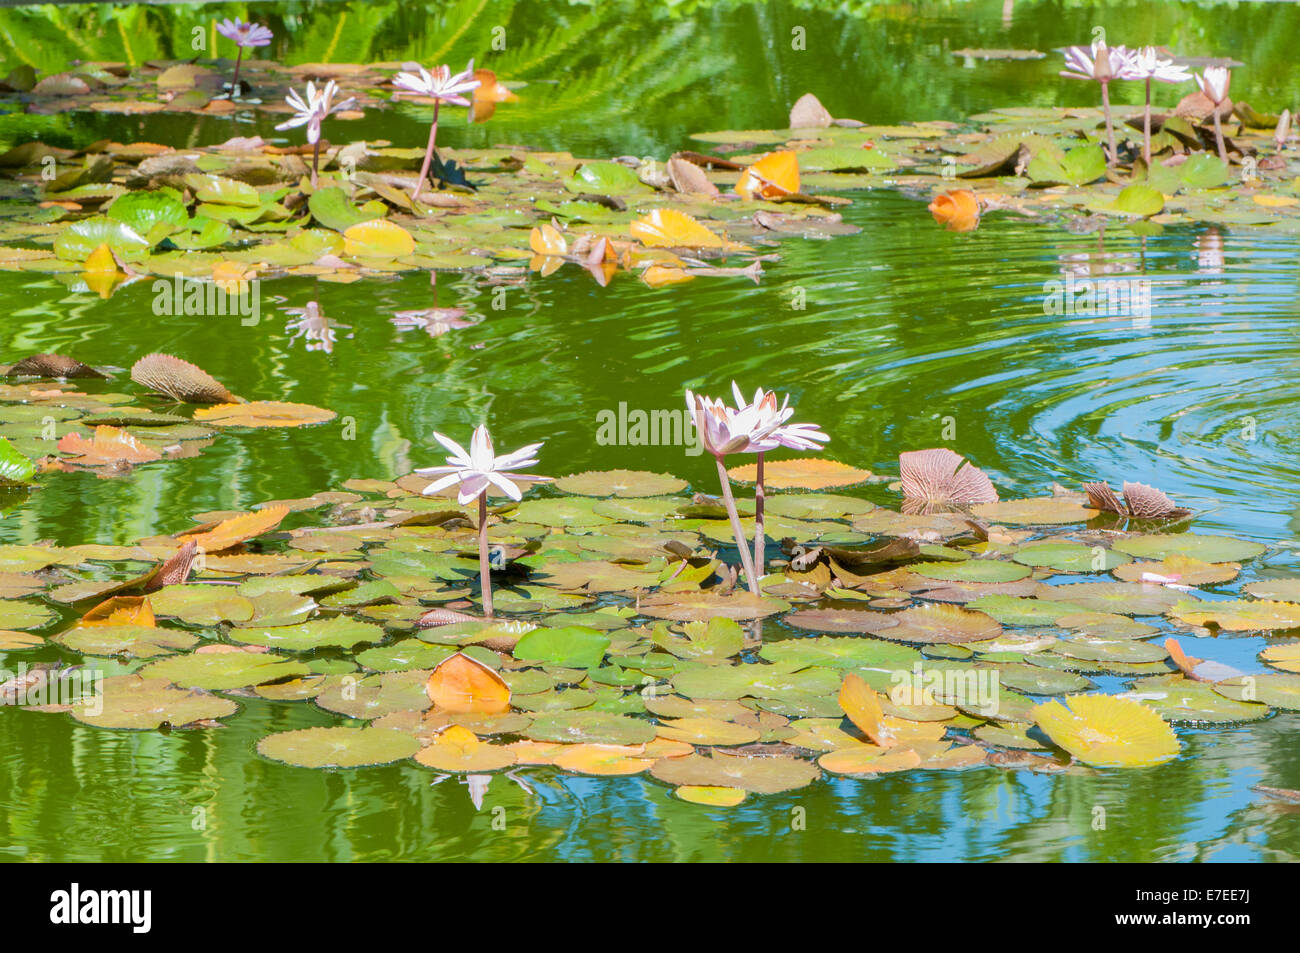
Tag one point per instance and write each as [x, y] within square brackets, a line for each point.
[590, 727]
[571, 647]
[339, 631]
[1210, 549]
[217, 671]
[143, 703]
[338, 747]
[137, 641]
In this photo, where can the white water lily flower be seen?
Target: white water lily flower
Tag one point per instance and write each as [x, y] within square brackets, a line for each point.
[1214, 82]
[1147, 63]
[480, 468]
[440, 84]
[763, 411]
[1101, 63]
[313, 108]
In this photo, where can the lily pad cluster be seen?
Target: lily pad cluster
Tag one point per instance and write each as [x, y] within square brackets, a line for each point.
[59, 414]
[881, 642]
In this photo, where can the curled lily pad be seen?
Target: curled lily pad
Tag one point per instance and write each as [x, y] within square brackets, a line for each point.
[142, 703]
[338, 747]
[620, 483]
[1108, 731]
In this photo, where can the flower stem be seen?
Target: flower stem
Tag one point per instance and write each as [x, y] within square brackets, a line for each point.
[745, 561]
[315, 161]
[234, 83]
[1146, 127]
[428, 152]
[1110, 127]
[759, 535]
[1218, 135]
[484, 568]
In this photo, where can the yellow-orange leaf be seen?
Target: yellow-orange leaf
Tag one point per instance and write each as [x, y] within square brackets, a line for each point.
[108, 446]
[545, 239]
[121, 610]
[237, 529]
[772, 176]
[379, 238]
[958, 209]
[101, 261]
[669, 228]
[461, 684]
[858, 700]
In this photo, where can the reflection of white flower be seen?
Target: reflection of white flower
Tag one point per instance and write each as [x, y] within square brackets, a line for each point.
[313, 108]
[480, 468]
[316, 329]
[440, 84]
[1209, 253]
[434, 321]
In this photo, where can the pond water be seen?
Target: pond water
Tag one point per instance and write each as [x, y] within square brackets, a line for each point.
[906, 330]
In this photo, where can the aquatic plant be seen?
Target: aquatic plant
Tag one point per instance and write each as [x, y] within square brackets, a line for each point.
[473, 472]
[442, 87]
[762, 414]
[311, 110]
[245, 36]
[1146, 64]
[1214, 82]
[1103, 64]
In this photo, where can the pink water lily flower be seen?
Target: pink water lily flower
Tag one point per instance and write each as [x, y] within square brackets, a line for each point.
[1214, 82]
[474, 471]
[1102, 63]
[243, 35]
[439, 83]
[1147, 65]
[311, 110]
[442, 87]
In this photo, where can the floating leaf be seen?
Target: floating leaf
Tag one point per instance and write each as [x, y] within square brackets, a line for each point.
[756, 775]
[620, 483]
[462, 684]
[669, 228]
[808, 473]
[264, 413]
[338, 747]
[1108, 731]
[1239, 615]
[143, 703]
